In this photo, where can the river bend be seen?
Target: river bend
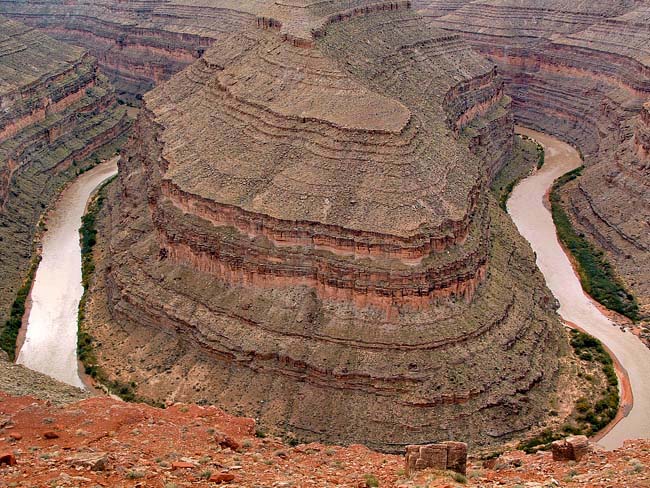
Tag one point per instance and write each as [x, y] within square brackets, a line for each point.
[535, 223]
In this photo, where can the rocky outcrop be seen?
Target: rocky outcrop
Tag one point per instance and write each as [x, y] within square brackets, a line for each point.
[303, 232]
[580, 71]
[57, 110]
[642, 134]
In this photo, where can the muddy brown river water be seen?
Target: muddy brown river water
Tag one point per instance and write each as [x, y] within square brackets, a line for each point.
[534, 221]
[50, 344]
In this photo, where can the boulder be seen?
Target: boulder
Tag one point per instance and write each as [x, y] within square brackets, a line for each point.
[226, 441]
[445, 456]
[8, 459]
[570, 449]
[222, 478]
[95, 461]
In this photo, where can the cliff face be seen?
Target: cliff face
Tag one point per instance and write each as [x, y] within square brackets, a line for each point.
[137, 43]
[580, 71]
[302, 231]
[56, 111]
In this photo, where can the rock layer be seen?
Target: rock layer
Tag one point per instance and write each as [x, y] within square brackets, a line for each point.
[339, 276]
[137, 43]
[580, 71]
[56, 111]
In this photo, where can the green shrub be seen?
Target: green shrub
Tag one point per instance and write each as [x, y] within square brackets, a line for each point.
[371, 480]
[540, 156]
[459, 478]
[11, 329]
[595, 272]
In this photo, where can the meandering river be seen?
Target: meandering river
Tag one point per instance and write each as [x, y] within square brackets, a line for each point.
[50, 344]
[534, 221]
[51, 334]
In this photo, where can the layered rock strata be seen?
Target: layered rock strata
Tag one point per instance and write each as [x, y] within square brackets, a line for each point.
[56, 110]
[581, 72]
[137, 43]
[302, 231]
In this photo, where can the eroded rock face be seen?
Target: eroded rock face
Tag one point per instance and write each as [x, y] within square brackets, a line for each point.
[56, 110]
[137, 43]
[580, 71]
[302, 230]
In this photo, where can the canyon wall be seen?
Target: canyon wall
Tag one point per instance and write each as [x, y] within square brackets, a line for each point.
[580, 71]
[57, 110]
[302, 231]
[137, 43]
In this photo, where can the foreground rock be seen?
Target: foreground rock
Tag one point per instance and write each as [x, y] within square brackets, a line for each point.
[444, 456]
[109, 443]
[570, 449]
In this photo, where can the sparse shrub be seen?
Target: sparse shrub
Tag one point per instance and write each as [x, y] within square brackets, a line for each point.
[459, 478]
[134, 475]
[371, 480]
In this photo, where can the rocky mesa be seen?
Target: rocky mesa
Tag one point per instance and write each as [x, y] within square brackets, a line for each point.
[137, 43]
[302, 232]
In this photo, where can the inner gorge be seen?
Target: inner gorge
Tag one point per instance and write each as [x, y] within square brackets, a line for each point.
[309, 223]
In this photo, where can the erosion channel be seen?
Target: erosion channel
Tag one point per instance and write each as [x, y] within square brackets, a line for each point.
[50, 344]
[534, 221]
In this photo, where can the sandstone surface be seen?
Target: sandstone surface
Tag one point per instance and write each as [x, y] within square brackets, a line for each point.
[136, 445]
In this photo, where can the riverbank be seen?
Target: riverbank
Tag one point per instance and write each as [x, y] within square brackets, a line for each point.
[595, 272]
[50, 344]
[534, 221]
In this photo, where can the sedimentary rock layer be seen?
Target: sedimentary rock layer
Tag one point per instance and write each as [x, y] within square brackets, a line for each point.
[581, 71]
[309, 206]
[137, 43]
[56, 111]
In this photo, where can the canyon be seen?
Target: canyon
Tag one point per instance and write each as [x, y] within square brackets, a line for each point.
[579, 71]
[302, 229]
[57, 111]
[575, 70]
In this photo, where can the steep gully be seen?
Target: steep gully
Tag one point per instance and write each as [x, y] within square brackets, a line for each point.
[50, 344]
[50, 338]
[533, 220]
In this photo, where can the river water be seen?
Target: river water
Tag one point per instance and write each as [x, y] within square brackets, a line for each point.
[50, 344]
[534, 221]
